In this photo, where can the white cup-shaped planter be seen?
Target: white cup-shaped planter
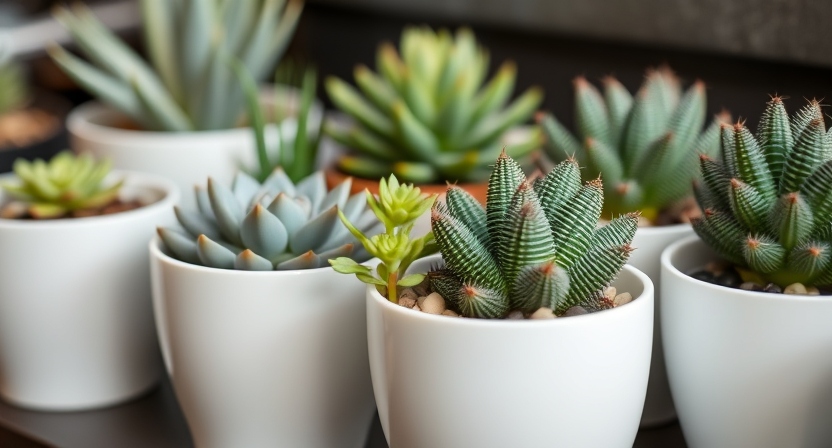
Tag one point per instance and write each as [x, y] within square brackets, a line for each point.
[187, 158]
[265, 359]
[76, 321]
[747, 369]
[649, 243]
[447, 382]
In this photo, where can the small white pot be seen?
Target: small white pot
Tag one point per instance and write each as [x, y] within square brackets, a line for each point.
[187, 158]
[76, 323]
[649, 243]
[747, 369]
[445, 382]
[265, 359]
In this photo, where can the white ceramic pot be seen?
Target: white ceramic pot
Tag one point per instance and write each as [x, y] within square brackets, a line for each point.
[76, 322]
[187, 158]
[649, 243]
[747, 369]
[445, 382]
[265, 359]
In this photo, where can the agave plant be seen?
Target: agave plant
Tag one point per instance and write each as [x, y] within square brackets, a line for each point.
[644, 146]
[189, 85]
[768, 203]
[426, 116]
[64, 185]
[273, 225]
[533, 245]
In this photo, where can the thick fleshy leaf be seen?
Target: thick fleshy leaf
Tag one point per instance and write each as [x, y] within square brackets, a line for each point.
[591, 272]
[616, 233]
[561, 143]
[819, 194]
[213, 254]
[619, 102]
[314, 188]
[751, 164]
[502, 184]
[545, 284]
[245, 188]
[763, 253]
[263, 233]
[307, 260]
[792, 219]
[591, 117]
[558, 186]
[775, 136]
[468, 211]
[316, 232]
[806, 156]
[227, 211]
[716, 180]
[810, 258]
[750, 207]
[603, 160]
[575, 221]
[289, 212]
[468, 299]
[526, 238]
[722, 233]
[249, 261]
[196, 224]
[181, 246]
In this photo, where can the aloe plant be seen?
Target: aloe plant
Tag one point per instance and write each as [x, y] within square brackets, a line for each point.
[768, 202]
[427, 115]
[187, 85]
[61, 186]
[397, 208]
[274, 225]
[533, 245]
[645, 146]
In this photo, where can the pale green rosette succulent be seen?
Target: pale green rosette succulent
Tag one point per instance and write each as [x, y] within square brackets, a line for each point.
[274, 225]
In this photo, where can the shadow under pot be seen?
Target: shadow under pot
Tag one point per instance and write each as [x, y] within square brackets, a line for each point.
[37, 131]
[448, 382]
[747, 369]
[76, 322]
[264, 359]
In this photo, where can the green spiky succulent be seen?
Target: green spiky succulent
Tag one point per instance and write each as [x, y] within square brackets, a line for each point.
[13, 89]
[533, 245]
[397, 207]
[426, 116]
[64, 185]
[188, 85]
[645, 147]
[273, 225]
[768, 203]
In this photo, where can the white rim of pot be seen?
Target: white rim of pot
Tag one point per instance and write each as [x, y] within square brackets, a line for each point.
[632, 307]
[718, 289]
[133, 180]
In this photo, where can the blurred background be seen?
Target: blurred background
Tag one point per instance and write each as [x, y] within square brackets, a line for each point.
[740, 48]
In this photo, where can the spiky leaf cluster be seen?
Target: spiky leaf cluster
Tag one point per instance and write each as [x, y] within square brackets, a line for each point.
[428, 115]
[273, 225]
[644, 146]
[13, 89]
[187, 85]
[65, 184]
[768, 202]
[532, 245]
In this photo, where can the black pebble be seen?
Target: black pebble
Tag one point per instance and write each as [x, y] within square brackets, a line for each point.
[704, 276]
[772, 288]
[729, 278]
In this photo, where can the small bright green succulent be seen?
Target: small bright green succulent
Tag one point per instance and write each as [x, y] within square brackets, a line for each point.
[63, 185]
[273, 225]
[13, 90]
[645, 147]
[768, 203]
[397, 207]
[426, 116]
[187, 86]
[534, 245]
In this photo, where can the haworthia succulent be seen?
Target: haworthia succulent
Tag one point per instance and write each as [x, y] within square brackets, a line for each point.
[534, 244]
[644, 146]
[767, 203]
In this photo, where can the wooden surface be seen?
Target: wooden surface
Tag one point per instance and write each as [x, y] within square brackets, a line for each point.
[155, 421]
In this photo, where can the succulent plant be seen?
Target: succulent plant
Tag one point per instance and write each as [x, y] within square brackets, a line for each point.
[273, 225]
[13, 89]
[645, 147]
[63, 185]
[190, 42]
[533, 245]
[397, 207]
[426, 116]
[768, 203]
[298, 160]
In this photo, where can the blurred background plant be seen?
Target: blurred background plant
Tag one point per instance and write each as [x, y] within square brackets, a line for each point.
[187, 85]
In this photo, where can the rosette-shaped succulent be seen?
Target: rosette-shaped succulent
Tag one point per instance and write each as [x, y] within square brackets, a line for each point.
[426, 115]
[533, 245]
[768, 203]
[61, 186]
[645, 147]
[276, 225]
